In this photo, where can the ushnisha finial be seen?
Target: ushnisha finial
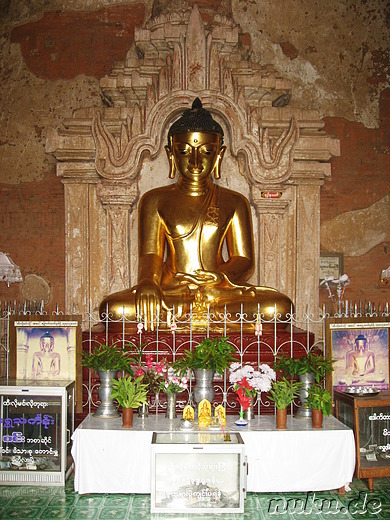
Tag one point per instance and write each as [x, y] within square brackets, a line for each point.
[195, 119]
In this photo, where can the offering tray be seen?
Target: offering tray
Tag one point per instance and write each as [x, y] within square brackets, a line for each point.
[361, 391]
[186, 424]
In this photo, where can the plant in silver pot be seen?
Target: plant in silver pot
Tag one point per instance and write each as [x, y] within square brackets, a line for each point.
[107, 361]
[210, 356]
[309, 368]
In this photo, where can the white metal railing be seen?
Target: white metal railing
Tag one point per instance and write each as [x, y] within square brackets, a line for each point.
[254, 339]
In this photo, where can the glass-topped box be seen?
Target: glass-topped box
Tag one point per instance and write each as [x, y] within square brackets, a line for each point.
[201, 471]
[36, 424]
[369, 417]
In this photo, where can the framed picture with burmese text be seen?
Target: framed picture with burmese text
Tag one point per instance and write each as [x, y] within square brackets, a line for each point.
[360, 347]
[331, 265]
[47, 348]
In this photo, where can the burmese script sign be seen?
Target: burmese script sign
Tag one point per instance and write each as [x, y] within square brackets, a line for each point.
[30, 433]
[201, 475]
[376, 434]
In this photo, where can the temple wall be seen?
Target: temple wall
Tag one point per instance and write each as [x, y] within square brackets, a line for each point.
[53, 64]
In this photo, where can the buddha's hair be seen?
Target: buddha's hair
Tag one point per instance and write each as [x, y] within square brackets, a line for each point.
[195, 119]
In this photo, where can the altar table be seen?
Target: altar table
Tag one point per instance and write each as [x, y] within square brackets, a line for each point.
[110, 459]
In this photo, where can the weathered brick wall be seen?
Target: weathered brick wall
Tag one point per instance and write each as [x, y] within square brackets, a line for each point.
[360, 178]
[61, 55]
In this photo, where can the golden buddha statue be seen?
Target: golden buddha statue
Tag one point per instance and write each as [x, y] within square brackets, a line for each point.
[204, 413]
[182, 230]
[220, 413]
[188, 413]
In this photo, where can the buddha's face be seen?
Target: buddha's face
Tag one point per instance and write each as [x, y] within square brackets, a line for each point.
[195, 153]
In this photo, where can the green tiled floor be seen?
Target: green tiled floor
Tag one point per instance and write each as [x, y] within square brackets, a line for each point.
[31, 502]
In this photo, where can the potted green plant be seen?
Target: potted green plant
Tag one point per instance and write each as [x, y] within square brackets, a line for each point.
[210, 356]
[283, 393]
[316, 364]
[130, 393]
[288, 365]
[319, 399]
[309, 368]
[107, 361]
[108, 358]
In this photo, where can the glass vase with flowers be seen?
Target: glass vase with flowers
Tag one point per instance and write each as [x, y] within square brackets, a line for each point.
[153, 373]
[248, 384]
[173, 384]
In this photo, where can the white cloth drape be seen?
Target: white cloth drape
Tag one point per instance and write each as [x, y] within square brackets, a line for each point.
[109, 459]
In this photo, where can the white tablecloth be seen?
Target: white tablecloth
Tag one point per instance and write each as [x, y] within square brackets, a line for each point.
[110, 459]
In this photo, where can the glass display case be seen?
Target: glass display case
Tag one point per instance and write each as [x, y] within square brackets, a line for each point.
[36, 424]
[369, 417]
[198, 472]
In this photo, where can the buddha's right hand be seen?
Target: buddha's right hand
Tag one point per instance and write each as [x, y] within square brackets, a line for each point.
[201, 277]
[148, 299]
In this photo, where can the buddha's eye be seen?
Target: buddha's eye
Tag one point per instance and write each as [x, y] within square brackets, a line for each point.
[207, 150]
[183, 150]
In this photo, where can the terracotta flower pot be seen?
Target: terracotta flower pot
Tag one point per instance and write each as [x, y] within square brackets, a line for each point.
[127, 417]
[281, 418]
[317, 417]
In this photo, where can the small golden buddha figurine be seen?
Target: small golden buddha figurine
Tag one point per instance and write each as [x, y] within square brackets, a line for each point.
[188, 413]
[220, 413]
[183, 229]
[204, 413]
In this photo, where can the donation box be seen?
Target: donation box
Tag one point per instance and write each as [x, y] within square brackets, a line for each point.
[369, 417]
[36, 424]
[198, 472]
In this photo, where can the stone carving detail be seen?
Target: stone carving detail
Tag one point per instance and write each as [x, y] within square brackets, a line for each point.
[199, 60]
[112, 156]
[118, 200]
[275, 157]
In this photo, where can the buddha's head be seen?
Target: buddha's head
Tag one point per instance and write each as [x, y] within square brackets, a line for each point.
[46, 342]
[361, 343]
[195, 144]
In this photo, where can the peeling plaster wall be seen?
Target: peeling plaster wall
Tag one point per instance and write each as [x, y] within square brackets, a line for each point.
[335, 53]
[53, 53]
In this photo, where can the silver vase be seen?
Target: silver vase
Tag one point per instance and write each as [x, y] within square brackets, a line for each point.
[143, 410]
[204, 388]
[249, 413]
[171, 406]
[307, 380]
[106, 409]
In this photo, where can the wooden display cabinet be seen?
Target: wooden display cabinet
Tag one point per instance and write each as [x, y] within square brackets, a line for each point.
[369, 417]
[36, 425]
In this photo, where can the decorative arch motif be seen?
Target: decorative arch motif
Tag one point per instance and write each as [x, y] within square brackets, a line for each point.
[121, 158]
[196, 66]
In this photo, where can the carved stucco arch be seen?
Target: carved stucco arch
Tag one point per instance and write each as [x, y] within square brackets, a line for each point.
[267, 164]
